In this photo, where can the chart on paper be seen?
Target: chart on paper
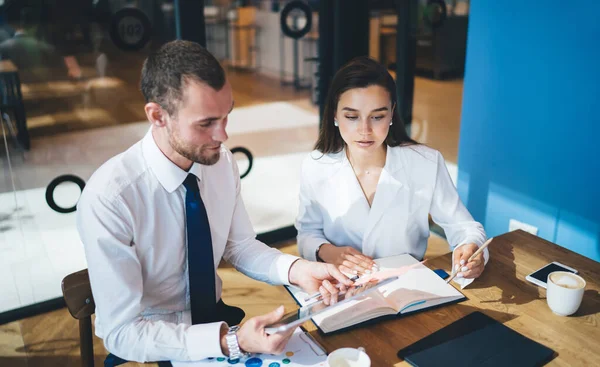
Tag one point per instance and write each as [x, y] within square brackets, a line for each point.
[300, 351]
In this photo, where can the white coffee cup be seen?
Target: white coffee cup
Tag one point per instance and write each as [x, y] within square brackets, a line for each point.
[349, 357]
[564, 292]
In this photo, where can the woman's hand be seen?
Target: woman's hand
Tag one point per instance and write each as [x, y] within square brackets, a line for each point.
[347, 259]
[471, 269]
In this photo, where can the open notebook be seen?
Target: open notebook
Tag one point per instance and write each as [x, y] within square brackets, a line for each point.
[418, 289]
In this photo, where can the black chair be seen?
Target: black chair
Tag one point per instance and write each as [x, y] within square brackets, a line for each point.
[11, 101]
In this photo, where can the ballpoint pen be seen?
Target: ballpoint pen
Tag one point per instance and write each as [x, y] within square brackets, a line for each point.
[316, 295]
[355, 277]
[455, 272]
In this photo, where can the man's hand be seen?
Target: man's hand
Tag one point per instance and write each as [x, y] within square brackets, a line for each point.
[472, 269]
[252, 337]
[313, 276]
[347, 259]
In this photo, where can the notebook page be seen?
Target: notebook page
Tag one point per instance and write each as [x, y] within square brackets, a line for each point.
[416, 285]
[342, 315]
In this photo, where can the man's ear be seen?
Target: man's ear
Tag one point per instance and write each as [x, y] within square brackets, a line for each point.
[156, 114]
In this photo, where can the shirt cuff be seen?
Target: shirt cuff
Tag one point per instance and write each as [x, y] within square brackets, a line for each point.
[204, 341]
[281, 268]
[310, 246]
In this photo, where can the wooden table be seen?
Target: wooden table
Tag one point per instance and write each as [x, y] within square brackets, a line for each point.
[502, 293]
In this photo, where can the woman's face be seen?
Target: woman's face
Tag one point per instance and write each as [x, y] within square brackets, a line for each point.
[364, 116]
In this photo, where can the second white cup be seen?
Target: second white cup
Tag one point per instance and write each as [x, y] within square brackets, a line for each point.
[564, 292]
[349, 357]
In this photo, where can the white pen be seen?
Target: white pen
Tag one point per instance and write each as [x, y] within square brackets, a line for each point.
[479, 250]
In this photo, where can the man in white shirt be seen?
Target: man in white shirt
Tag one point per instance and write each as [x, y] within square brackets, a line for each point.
[146, 209]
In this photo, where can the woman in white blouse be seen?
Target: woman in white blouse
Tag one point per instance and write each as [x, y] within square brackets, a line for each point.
[367, 189]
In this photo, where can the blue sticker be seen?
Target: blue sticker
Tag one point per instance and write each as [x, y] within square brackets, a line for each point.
[254, 362]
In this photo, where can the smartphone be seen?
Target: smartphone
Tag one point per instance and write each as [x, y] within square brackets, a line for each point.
[540, 276]
[296, 318]
[442, 273]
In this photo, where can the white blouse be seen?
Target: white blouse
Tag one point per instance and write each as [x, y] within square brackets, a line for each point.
[414, 183]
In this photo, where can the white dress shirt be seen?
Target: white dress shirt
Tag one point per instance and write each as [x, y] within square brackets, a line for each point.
[413, 184]
[131, 219]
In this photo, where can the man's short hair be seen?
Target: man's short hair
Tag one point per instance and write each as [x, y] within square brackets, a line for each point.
[172, 66]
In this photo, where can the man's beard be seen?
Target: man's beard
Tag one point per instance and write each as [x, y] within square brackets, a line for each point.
[203, 154]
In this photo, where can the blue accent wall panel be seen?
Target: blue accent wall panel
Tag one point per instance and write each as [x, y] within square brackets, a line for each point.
[530, 130]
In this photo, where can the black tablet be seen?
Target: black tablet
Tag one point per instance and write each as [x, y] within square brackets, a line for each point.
[476, 340]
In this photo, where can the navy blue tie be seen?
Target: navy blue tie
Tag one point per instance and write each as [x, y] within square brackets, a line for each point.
[201, 265]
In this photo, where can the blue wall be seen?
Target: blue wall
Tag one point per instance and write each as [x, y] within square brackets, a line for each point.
[530, 131]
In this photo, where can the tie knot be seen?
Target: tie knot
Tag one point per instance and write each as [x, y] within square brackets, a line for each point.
[191, 183]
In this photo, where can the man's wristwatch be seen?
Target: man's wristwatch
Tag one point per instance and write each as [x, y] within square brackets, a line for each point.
[232, 343]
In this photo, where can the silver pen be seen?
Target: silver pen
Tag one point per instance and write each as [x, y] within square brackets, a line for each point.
[316, 295]
[354, 278]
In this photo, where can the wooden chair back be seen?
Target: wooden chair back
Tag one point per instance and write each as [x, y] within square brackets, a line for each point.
[77, 293]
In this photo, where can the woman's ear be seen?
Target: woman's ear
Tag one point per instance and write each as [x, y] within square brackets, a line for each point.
[155, 114]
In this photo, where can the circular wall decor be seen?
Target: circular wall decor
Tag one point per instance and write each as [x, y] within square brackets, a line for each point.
[52, 186]
[248, 155]
[286, 20]
[130, 29]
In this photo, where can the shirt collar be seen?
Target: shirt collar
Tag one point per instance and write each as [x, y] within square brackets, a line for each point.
[168, 173]
[392, 160]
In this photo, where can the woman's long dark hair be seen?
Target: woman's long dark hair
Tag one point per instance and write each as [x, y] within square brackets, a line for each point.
[360, 72]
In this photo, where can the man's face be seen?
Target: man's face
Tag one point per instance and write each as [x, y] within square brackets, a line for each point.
[198, 127]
